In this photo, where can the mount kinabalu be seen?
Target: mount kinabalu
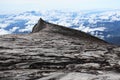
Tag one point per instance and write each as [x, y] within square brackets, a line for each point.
[53, 52]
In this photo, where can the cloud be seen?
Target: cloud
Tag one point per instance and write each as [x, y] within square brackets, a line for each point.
[2, 32]
[13, 29]
[27, 28]
[89, 29]
[3, 25]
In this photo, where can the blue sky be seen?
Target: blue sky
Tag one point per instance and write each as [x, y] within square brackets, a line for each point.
[26, 5]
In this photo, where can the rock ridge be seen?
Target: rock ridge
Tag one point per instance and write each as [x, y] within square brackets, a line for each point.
[54, 28]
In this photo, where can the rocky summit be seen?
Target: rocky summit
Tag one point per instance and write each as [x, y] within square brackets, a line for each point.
[54, 52]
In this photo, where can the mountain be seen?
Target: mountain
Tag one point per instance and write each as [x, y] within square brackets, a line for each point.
[55, 52]
[103, 24]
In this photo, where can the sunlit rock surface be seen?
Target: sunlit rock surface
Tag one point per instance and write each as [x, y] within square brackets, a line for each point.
[53, 52]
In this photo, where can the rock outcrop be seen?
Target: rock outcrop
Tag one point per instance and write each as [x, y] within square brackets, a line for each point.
[53, 52]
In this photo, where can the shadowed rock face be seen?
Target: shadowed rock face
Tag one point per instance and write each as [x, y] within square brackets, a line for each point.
[53, 52]
[39, 26]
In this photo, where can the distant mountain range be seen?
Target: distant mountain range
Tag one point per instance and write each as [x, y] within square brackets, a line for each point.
[104, 24]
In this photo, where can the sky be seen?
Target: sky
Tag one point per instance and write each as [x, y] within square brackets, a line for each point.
[27, 5]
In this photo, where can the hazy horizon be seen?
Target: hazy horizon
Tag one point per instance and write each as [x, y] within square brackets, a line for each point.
[11, 6]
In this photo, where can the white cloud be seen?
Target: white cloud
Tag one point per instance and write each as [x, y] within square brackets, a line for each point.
[2, 32]
[27, 28]
[13, 29]
[88, 29]
[3, 25]
[32, 19]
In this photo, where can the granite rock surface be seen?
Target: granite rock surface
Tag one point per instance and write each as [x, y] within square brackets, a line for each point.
[54, 52]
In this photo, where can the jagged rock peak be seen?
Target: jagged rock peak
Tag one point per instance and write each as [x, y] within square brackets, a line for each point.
[38, 26]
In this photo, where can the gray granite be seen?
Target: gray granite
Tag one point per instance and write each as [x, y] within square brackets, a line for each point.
[53, 52]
